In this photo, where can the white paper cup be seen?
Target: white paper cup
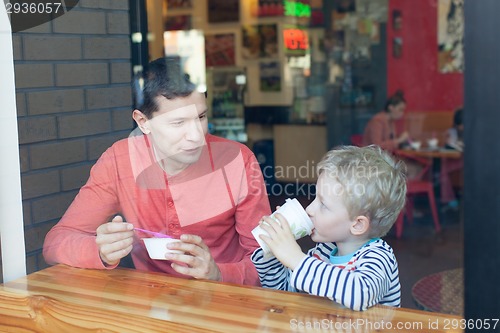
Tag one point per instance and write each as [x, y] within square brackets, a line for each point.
[415, 145]
[297, 218]
[432, 143]
[157, 247]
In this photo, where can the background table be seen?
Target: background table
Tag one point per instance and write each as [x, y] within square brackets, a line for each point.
[438, 157]
[66, 299]
[441, 292]
[429, 153]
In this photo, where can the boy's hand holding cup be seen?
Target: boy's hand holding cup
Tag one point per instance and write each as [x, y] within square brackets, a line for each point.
[298, 221]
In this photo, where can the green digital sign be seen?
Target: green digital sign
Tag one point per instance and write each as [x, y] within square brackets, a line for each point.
[297, 9]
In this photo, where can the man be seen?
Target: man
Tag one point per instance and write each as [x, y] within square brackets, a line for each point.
[173, 178]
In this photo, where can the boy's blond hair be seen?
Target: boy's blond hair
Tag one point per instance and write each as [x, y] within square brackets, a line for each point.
[373, 184]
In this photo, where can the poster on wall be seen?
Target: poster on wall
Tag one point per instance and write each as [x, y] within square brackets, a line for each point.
[220, 50]
[260, 41]
[397, 20]
[220, 11]
[270, 76]
[451, 36]
[270, 8]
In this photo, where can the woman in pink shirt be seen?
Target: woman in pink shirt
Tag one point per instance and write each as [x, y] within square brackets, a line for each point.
[381, 129]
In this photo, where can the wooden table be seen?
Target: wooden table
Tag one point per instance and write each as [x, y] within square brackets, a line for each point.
[441, 292]
[66, 299]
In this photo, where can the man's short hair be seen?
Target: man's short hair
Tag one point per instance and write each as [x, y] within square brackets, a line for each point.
[163, 77]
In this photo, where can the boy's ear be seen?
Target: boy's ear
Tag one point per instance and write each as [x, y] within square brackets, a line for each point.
[360, 225]
[142, 121]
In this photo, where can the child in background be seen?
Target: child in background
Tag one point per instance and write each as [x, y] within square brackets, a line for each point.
[359, 194]
[454, 140]
[454, 136]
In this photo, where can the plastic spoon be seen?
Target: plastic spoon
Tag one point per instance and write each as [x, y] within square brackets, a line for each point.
[156, 234]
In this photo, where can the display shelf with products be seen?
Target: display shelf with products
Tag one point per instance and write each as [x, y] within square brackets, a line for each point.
[225, 102]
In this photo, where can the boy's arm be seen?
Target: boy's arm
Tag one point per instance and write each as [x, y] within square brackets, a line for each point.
[272, 273]
[374, 277]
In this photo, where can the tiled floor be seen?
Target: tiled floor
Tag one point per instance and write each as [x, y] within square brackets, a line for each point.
[419, 251]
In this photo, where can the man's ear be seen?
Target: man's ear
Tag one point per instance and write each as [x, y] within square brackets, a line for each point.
[142, 121]
[360, 225]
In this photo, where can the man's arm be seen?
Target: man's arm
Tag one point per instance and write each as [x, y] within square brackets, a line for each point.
[72, 240]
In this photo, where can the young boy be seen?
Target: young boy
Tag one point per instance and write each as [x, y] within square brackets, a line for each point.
[359, 194]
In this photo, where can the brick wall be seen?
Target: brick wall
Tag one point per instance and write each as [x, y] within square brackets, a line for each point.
[74, 100]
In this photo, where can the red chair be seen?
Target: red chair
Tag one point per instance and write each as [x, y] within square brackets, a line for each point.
[417, 185]
[357, 140]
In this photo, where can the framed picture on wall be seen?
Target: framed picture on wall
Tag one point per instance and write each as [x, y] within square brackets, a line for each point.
[260, 41]
[179, 4]
[178, 22]
[397, 19]
[270, 76]
[451, 36]
[270, 8]
[397, 47]
[220, 11]
[220, 49]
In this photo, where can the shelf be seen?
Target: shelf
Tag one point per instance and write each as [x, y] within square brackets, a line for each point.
[229, 127]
